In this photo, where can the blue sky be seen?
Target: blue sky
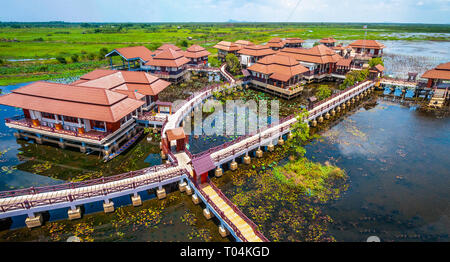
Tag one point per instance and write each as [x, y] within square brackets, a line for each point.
[405, 11]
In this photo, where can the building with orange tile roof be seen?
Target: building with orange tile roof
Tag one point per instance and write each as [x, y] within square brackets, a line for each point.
[293, 42]
[243, 43]
[167, 64]
[224, 48]
[252, 53]
[438, 77]
[367, 48]
[276, 43]
[319, 59]
[277, 74]
[198, 55]
[328, 41]
[132, 57]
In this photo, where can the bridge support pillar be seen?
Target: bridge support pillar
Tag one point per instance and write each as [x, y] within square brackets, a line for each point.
[189, 190]
[349, 103]
[281, 141]
[223, 231]
[247, 159]
[74, 213]
[327, 116]
[333, 113]
[233, 165]
[136, 200]
[270, 147]
[34, 220]
[314, 123]
[338, 109]
[161, 193]
[163, 156]
[195, 199]
[218, 172]
[208, 214]
[108, 206]
[182, 186]
[259, 153]
[320, 119]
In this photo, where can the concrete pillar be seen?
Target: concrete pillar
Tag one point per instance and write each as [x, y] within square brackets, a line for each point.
[189, 190]
[108, 206]
[195, 199]
[223, 231]
[208, 214]
[333, 113]
[74, 213]
[327, 116]
[314, 123]
[161, 193]
[39, 140]
[320, 119]
[270, 147]
[348, 103]
[34, 220]
[247, 159]
[259, 153]
[233, 165]
[280, 141]
[163, 156]
[136, 200]
[218, 172]
[182, 186]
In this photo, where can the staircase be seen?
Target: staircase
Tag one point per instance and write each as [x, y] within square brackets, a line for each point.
[439, 98]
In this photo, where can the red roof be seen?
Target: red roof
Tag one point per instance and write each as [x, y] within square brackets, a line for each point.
[344, 62]
[227, 46]
[372, 44]
[196, 51]
[442, 71]
[168, 46]
[243, 43]
[168, 58]
[276, 42]
[134, 52]
[175, 134]
[319, 54]
[75, 101]
[256, 50]
[203, 164]
[293, 40]
[278, 67]
[327, 40]
[135, 81]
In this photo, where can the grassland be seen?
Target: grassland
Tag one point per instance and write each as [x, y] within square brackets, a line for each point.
[50, 40]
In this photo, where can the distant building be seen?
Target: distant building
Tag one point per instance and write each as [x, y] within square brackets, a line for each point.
[243, 43]
[198, 55]
[132, 57]
[277, 74]
[320, 60]
[168, 64]
[224, 48]
[328, 41]
[276, 43]
[252, 53]
[438, 77]
[293, 42]
[367, 48]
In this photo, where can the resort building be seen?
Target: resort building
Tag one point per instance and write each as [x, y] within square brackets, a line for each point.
[87, 118]
[293, 42]
[343, 66]
[438, 77]
[376, 71]
[132, 57]
[197, 55]
[224, 48]
[131, 83]
[320, 60]
[277, 74]
[167, 64]
[243, 43]
[252, 53]
[367, 48]
[328, 41]
[276, 43]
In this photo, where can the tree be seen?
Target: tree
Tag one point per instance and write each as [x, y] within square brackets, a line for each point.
[101, 54]
[376, 61]
[213, 61]
[184, 43]
[1, 61]
[323, 92]
[75, 58]
[233, 64]
[61, 60]
[300, 135]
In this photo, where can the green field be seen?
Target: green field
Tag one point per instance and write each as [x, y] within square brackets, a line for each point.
[59, 39]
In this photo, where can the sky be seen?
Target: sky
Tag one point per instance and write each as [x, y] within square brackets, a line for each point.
[368, 11]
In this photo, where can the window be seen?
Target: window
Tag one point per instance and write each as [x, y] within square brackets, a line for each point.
[70, 119]
[48, 115]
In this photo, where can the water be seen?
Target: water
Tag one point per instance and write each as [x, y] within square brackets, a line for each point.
[397, 160]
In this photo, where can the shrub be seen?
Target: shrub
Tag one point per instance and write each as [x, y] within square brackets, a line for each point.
[323, 92]
[61, 60]
[75, 58]
[233, 64]
[101, 54]
[376, 61]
